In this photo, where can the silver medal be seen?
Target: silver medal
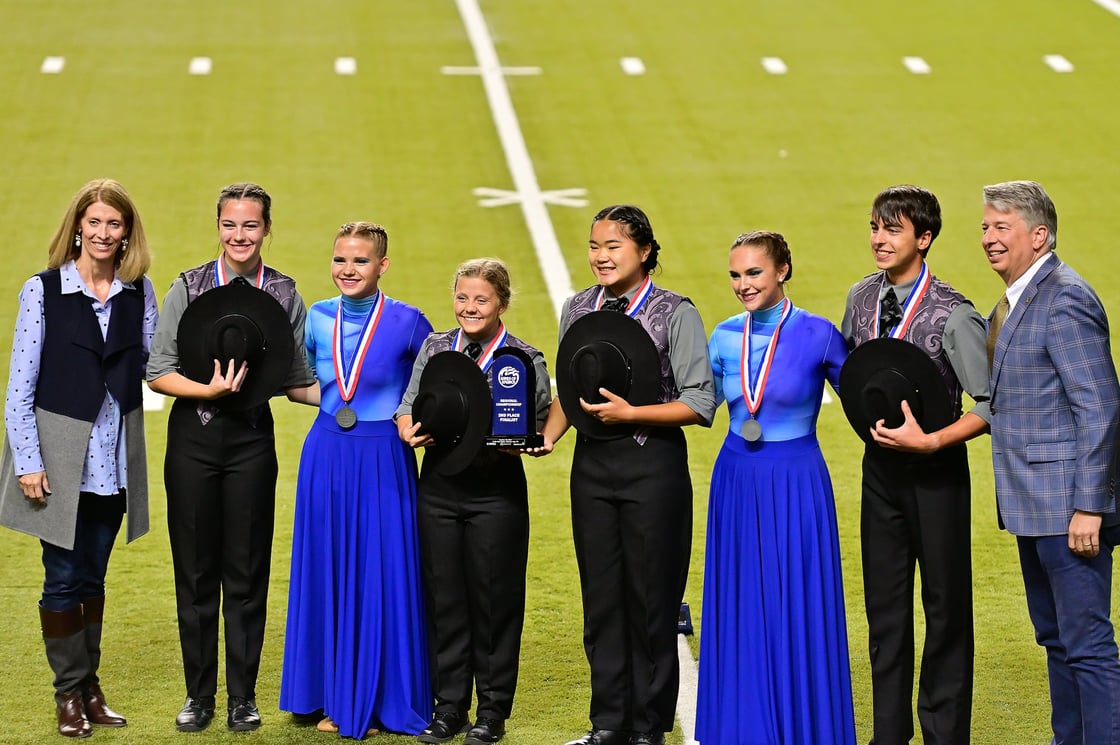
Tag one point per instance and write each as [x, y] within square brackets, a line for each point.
[752, 430]
[346, 417]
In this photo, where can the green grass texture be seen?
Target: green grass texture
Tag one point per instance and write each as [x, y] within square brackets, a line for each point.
[707, 141]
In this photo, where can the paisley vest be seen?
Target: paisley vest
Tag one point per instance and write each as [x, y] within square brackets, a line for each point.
[654, 316]
[924, 332]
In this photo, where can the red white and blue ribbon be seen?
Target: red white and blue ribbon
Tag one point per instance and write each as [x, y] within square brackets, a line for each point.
[753, 394]
[910, 307]
[346, 376]
[487, 357]
[635, 302]
[221, 277]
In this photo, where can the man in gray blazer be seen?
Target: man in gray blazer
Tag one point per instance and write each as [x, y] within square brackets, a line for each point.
[1055, 405]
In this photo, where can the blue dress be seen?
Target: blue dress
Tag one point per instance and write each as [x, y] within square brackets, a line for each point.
[773, 639]
[355, 645]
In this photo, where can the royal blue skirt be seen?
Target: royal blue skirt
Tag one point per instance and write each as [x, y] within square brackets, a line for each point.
[773, 640]
[356, 645]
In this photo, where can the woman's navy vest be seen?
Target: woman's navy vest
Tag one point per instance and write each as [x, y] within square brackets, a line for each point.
[77, 365]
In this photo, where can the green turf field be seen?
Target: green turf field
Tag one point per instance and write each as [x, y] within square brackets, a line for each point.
[706, 140]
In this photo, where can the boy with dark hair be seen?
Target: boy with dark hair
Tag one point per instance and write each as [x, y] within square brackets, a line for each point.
[916, 492]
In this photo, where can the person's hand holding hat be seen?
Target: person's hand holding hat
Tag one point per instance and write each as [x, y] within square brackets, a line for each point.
[406, 429]
[615, 410]
[229, 382]
[908, 437]
[235, 327]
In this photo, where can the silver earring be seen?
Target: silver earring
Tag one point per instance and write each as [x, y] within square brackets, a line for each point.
[78, 239]
[124, 245]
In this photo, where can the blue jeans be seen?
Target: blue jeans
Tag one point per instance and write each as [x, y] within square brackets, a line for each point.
[78, 573]
[1069, 599]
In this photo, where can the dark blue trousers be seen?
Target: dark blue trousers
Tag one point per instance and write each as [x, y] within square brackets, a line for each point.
[1069, 598]
[75, 574]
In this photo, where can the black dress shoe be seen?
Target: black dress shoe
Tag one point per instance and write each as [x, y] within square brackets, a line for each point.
[485, 731]
[444, 726]
[603, 737]
[243, 715]
[196, 714]
[648, 738]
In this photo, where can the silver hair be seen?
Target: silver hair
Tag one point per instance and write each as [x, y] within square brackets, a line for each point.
[1030, 200]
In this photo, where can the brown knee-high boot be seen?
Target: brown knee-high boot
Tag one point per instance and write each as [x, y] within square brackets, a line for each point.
[97, 711]
[65, 640]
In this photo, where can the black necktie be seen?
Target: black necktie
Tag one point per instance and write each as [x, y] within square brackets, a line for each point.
[890, 313]
[619, 304]
[474, 350]
[239, 280]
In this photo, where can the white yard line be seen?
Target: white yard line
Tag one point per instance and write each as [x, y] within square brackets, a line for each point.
[555, 271]
[152, 401]
[53, 65]
[774, 65]
[1058, 63]
[200, 66]
[916, 65]
[633, 65]
[1112, 6]
[686, 697]
[543, 234]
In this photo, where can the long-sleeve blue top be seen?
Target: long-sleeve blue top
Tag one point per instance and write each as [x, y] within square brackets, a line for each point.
[388, 363]
[810, 350]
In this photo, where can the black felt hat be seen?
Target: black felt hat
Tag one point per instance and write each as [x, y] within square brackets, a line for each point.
[241, 323]
[882, 373]
[605, 349]
[453, 406]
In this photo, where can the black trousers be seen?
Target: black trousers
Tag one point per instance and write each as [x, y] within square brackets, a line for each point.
[221, 500]
[474, 545]
[632, 523]
[918, 509]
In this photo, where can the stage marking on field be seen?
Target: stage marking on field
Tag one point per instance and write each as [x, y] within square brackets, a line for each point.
[527, 191]
[469, 70]
[1112, 6]
[633, 65]
[200, 66]
[53, 65]
[1058, 63]
[774, 65]
[345, 66]
[916, 65]
[153, 401]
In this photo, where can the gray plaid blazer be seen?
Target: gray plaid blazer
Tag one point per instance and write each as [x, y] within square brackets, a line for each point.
[1055, 406]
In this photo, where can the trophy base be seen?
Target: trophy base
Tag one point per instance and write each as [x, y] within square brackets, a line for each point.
[514, 442]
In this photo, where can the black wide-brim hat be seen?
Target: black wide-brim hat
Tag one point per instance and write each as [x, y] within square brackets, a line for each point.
[241, 323]
[882, 373]
[453, 406]
[605, 349]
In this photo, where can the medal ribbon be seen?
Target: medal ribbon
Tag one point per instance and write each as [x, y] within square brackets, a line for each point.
[487, 357]
[754, 397]
[221, 278]
[347, 385]
[910, 307]
[635, 303]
